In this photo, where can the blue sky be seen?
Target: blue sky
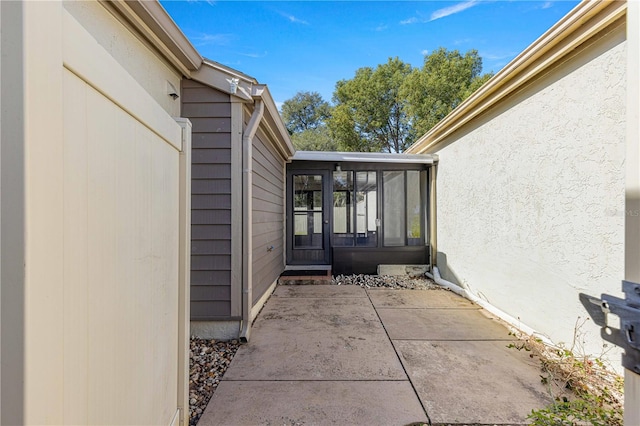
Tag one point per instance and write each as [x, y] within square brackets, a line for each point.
[309, 45]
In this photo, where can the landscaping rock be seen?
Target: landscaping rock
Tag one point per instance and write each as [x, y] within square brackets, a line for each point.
[208, 360]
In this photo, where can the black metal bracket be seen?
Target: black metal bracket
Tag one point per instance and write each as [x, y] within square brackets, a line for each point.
[628, 310]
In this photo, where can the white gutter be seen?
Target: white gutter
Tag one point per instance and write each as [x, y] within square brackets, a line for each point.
[247, 216]
[466, 293]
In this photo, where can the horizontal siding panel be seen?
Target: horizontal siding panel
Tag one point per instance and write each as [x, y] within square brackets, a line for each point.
[265, 268]
[266, 206]
[200, 201]
[204, 293]
[211, 186]
[263, 240]
[266, 263]
[203, 94]
[211, 156]
[268, 197]
[210, 217]
[268, 276]
[270, 159]
[263, 217]
[210, 262]
[208, 109]
[210, 232]
[209, 171]
[264, 184]
[221, 278]
[211, 140]
[209, 309]
[222, 124]
[269, 172]
[201, 247]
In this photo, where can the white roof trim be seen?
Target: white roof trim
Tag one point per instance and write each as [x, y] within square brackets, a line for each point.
[585, 21]
[364, 157]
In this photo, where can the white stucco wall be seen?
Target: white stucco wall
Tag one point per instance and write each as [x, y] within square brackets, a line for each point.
[531, 198]
[138, 58]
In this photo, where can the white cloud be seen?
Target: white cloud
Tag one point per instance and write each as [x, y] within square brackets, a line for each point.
[211, 39]
[255, 55]
[412, 20]
[424, 52]
[382, 27]
[451, 10]
[547, 5]
[294, 19]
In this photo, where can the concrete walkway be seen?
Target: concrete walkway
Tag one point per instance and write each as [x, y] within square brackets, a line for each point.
[344, 355]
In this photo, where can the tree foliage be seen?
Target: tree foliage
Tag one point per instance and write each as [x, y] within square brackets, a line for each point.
[369, 113]
[387, 107]
[445, 80]
[318, 139]
[305, 111]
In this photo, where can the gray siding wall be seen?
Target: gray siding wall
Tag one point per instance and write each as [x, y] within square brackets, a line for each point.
[268, 215]
[210, 113]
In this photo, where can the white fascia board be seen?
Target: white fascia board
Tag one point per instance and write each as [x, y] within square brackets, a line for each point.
[582, 23]
[153, 22]
[364, 157]
[220, 78]
[274, 121]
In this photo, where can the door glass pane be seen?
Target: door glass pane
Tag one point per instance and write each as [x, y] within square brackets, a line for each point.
[414, 213]
[343, 208]
[366, 209]
[394, 208]
[307, 211]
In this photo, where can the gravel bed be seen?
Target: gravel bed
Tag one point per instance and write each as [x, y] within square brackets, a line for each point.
[208, 360]
[388, 281]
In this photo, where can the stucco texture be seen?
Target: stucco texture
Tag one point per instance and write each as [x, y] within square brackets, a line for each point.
[531, 197]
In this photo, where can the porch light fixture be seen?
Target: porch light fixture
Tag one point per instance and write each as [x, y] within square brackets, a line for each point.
[338, 168]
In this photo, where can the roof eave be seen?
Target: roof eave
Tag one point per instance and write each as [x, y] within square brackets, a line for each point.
[157, 27]
[274, 121]
[584, 21]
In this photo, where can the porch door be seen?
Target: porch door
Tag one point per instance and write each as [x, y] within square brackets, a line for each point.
[308, 225]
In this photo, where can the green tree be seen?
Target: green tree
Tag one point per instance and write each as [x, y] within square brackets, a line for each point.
[318, 139]
[305, 111]
[445, 80]
[369, 113]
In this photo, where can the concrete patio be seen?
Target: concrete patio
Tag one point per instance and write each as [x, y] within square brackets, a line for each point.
[329, 354]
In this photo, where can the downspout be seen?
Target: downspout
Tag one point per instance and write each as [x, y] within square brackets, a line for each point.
[247, 216]
[433, 219]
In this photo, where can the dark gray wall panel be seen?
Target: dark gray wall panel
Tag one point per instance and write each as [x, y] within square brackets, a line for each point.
[212, 201]
[210, 217]
[210, 247]
[210, 113]
[210, 310]
[211, 171]
[210, 232]
[268, 215]
[211, 140]
[209, 292]
[221, 278]
[210, 156]
[211, 186]
[210, 262]
[198, 110]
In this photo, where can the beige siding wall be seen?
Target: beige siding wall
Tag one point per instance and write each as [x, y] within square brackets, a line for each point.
[531, 196]
[268, 215]
[130, 50]
[101, 236]
[210, 113]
